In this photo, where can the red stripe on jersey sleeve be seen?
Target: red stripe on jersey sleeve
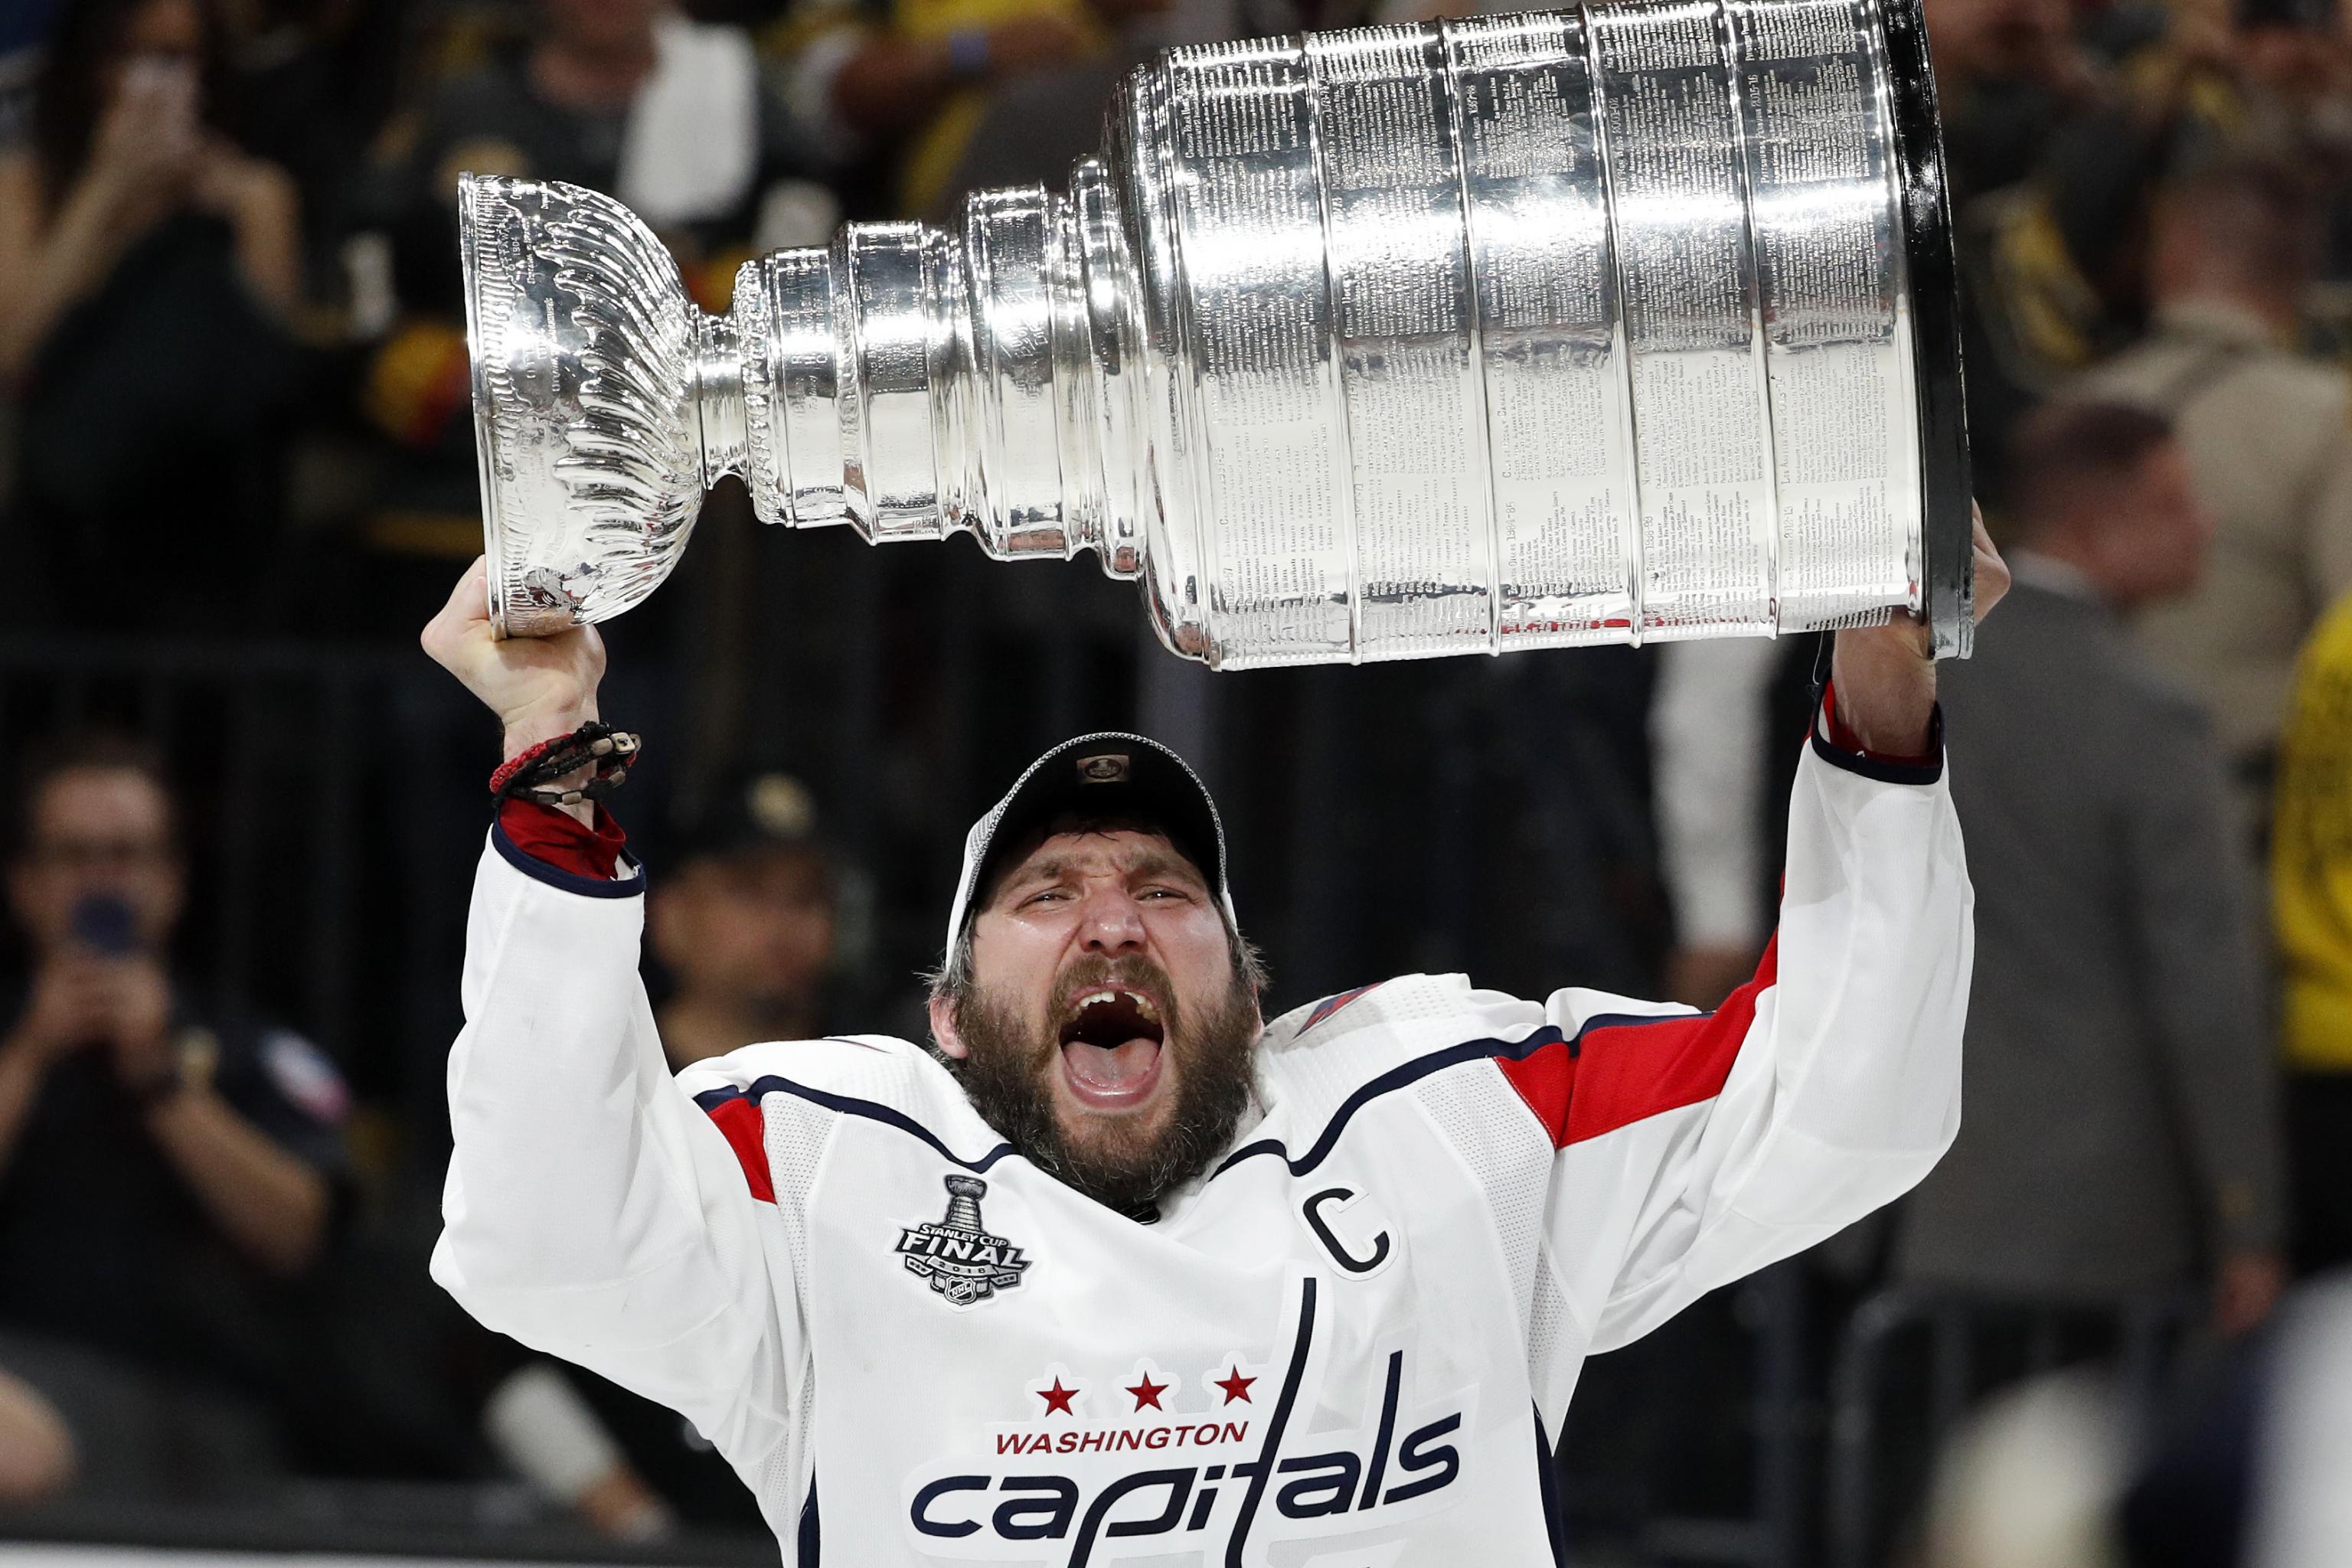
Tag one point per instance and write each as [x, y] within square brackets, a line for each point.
[740, 1122]
[1618, 1074]
[1545, 1080]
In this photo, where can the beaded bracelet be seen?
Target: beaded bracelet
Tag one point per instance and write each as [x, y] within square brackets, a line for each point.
[528, 773]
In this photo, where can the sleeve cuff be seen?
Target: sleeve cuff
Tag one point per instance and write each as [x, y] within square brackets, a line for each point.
[554, 847]
[1838, 746]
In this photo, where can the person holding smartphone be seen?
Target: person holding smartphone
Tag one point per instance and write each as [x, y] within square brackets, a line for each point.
[123, 139]
[149, 271]
[168, 1172]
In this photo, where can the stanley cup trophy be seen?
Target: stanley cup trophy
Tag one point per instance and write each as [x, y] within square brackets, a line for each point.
[1612, 324]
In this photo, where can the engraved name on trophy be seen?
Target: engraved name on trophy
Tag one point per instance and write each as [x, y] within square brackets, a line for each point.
[1605, 325]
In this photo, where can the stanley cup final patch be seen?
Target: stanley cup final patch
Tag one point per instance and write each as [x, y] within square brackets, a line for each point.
[960, 1259]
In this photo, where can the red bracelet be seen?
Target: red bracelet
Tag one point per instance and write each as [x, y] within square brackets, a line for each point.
[526, 775]
[516, 763]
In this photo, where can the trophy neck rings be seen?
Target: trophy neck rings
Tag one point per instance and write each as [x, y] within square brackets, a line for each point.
[910, 383]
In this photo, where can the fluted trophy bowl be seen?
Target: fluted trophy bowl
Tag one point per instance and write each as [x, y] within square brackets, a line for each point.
[1611, 324]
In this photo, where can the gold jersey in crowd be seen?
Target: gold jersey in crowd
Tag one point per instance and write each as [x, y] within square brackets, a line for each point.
[2311, 868]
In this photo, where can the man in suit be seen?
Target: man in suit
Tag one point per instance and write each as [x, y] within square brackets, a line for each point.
[2121, 1134]
[2266, 432]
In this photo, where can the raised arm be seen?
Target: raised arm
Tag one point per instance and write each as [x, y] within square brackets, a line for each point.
[591, 1211]
[1697, 1148]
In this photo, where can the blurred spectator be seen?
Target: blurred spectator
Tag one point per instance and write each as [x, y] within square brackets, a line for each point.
[2217, 83]
[2311, 872]
[37, 1452]
[314, 82]
[2268, 437]
[2061, 261]
[167, 1171]
[633, 1469]
[2121, 1139]
[743, 923]
[2287, 83]
[2301, 1515]
[2030, 1478]
[625, 97]
[964, 93]
[145, 266]
[2056, 189]
[2250, 1471]
[1718, 795]
[2008, 73]
[2013, 83]
[546, 1432]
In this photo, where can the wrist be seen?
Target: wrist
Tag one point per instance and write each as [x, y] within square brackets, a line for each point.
[529, 728]
[1885, 683]
[24, 1053]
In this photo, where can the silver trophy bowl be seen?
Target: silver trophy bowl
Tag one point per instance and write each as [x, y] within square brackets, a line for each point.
[1611, 324]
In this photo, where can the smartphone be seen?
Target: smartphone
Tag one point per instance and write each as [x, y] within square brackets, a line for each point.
[166, 88]
[104, 924]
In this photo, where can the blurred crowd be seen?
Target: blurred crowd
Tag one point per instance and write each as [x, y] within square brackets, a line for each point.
[235, 413]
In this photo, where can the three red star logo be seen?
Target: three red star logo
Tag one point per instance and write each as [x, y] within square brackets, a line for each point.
[1146, 1392]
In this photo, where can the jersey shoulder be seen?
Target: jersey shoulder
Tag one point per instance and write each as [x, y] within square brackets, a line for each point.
[1382, 1025]
[877, 1078]
[1486, 1058]
[1369, 1019]
[1321, 1059]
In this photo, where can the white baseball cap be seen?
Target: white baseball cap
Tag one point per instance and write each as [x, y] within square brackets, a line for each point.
[1109, 772]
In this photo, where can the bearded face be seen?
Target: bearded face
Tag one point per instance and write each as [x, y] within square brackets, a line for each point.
[1105, 1028]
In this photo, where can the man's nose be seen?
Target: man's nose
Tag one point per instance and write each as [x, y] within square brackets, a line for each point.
[1111, 921]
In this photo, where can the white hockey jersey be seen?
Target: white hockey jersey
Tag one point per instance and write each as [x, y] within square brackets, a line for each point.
[1351, 1342]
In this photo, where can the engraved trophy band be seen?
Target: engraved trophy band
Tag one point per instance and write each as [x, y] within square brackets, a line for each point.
[1611, 324]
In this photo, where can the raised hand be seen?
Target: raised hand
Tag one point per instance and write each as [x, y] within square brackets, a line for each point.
[143, 155]
[1885, 676]
[539, 687]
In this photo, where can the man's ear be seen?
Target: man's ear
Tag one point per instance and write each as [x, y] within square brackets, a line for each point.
[943, 1029]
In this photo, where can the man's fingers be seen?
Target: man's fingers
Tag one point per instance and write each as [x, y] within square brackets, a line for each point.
[465, 616]
[470, 599]
[1992, 573]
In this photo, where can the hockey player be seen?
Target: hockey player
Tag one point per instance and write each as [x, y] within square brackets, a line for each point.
[1115, 1270]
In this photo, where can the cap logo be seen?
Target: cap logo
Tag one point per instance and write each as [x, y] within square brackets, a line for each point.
[1104, 767]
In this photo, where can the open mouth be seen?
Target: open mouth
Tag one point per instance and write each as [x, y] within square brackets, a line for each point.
[1111, 1037]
